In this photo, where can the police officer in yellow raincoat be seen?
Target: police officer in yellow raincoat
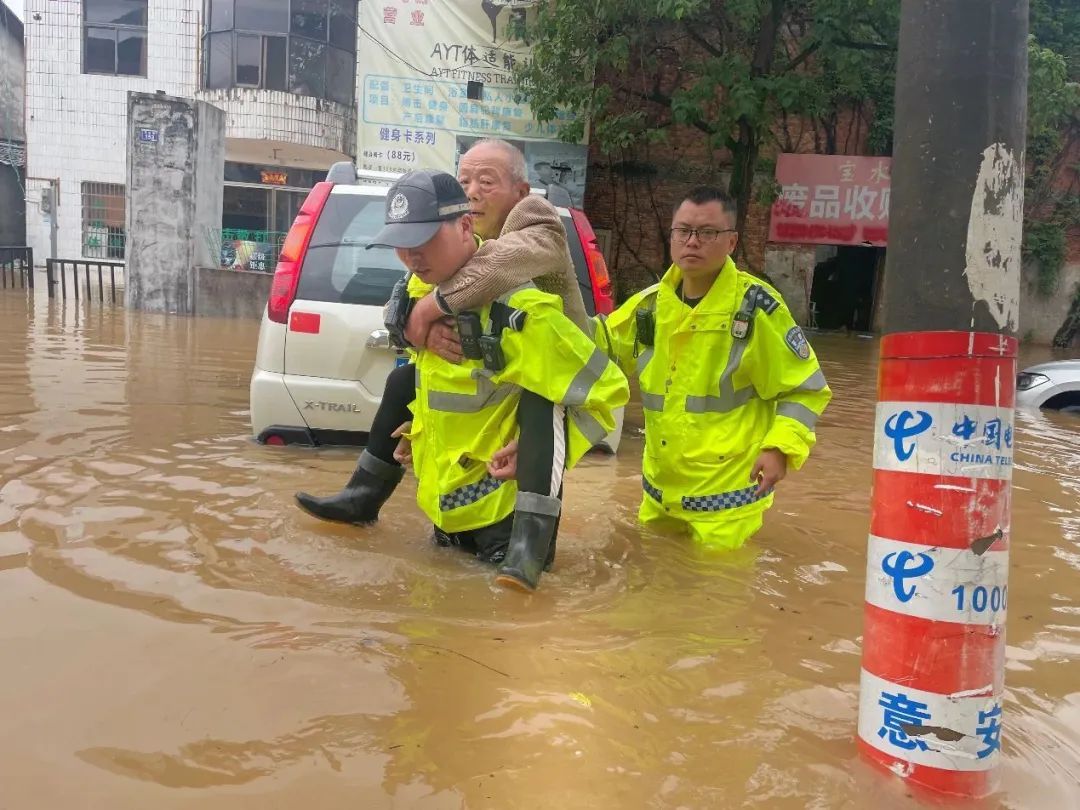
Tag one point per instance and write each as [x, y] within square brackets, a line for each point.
[465, 412]
[730, 387]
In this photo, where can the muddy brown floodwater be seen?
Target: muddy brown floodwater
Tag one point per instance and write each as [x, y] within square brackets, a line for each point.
[175, 634]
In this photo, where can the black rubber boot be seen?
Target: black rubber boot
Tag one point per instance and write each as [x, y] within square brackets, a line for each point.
[536, 517]
[555, 538]
[550, 561]
[372, 482]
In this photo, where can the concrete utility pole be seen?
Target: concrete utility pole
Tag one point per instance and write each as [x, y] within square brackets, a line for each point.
[958, 165]
[937, 564]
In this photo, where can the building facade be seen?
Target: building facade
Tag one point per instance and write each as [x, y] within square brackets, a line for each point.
[283, 72]
[12, 134]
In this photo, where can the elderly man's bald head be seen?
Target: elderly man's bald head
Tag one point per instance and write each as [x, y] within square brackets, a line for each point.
[515, 159]
[495, 178]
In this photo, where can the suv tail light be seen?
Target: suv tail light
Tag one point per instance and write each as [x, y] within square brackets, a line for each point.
[291, 259]
[594, 259]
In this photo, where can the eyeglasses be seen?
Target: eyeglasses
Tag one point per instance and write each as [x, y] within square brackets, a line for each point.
[704, 235]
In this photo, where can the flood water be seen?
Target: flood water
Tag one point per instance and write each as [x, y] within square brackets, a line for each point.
[175, 634]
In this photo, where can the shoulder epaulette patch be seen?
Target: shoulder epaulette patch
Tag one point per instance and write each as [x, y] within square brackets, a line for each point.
[766, 302]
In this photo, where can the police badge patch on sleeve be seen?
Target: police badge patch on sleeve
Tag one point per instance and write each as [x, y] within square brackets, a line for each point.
[797, 342]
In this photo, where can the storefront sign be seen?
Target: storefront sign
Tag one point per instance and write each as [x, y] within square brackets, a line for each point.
[259, 262]
[465, 91]
[831, 200]
[283, 176]
[272, 178]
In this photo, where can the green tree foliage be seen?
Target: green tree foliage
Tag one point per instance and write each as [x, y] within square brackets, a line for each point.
[1055, 24]
[1052, 193]
[739, 71]
[730, 69]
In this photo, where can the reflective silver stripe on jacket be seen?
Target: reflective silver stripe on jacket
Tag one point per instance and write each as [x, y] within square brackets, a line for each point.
[815, 382]
[585, 379]
[729, 399]
[487, 394]
[590, 428]
[468, 494]
[643, 360]
[800, 413]
[723, 500]
[652, 402]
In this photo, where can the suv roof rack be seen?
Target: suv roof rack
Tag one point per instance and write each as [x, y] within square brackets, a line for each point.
[368, 177]
[344, 172]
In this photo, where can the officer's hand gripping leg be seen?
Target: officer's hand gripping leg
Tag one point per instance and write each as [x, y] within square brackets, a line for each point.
[403, 451]
[503, 465]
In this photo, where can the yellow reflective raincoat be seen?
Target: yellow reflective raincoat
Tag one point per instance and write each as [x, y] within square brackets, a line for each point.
[464, 413]
[713, 401]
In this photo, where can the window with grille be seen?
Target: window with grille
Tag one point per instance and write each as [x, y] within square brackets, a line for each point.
[307, 47]
[114, 37]
[103, 228]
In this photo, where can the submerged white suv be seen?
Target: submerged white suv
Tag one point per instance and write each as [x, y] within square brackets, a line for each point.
[323, 353]
[1054, 386]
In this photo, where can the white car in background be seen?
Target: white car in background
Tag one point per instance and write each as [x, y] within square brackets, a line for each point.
[1054, 386]
[324, 354]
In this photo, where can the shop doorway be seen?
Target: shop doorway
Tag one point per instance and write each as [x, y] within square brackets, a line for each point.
[258, 208]
[254, 223]
[246, 208]
[845, 288]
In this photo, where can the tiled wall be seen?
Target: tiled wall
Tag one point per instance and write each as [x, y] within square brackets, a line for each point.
[272, 115]
[76, 123]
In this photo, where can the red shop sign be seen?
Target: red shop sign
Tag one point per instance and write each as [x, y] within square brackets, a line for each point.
[831, 200]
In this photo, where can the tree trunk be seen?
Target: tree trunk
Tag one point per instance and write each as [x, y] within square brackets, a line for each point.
[829, 123]
[745, 152]
[743, 162]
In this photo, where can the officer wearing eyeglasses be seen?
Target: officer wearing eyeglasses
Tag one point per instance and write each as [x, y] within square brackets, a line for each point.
[730, 386]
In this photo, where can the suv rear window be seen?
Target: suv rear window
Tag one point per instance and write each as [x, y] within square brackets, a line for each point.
[337, 267]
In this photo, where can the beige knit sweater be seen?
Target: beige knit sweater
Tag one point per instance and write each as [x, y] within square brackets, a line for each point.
[531, 247]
